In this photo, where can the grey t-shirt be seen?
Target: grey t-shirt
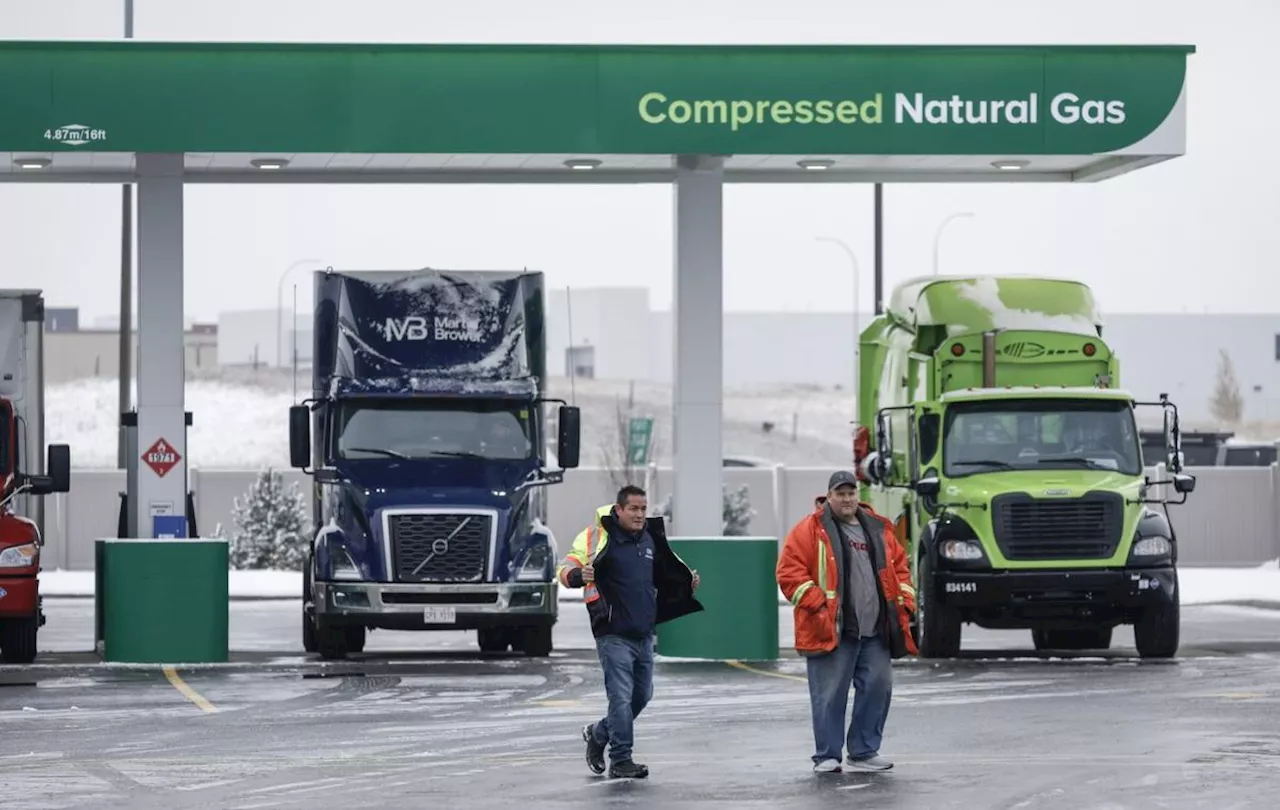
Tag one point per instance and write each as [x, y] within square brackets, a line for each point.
[861, 595]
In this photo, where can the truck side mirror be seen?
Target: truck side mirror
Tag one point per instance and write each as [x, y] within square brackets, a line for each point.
[569, 421]
[1172, 439]
[884, 437]
[58, 467]
[1184, 483]
[299, 436]
[928, 487]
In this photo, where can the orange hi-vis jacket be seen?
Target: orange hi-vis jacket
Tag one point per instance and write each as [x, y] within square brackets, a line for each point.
[809, 576]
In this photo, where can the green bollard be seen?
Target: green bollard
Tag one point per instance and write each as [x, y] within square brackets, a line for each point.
[165, 601]
[739, 592]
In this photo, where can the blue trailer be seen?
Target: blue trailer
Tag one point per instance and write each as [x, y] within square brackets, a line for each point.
[426, 439]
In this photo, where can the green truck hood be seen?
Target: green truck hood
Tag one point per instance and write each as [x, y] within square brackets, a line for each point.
[977, 491]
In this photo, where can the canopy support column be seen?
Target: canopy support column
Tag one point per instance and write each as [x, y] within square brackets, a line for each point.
[697, 507]
[161, 485]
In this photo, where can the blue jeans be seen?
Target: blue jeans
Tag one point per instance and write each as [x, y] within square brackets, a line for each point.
[628, 682]
[866, 664]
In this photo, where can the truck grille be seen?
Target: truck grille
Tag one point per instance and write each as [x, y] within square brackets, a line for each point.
[440, 547]
[1086, 528]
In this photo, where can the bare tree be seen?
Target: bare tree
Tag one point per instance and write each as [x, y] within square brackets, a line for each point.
[615, 446]
[1227, 404]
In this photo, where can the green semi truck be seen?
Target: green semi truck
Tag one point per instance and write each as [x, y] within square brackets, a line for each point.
[994, 432]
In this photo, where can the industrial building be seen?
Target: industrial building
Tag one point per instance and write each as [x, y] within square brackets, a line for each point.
[1174, 353]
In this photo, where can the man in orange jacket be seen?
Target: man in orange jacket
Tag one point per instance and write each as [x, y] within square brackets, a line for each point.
[853, 599]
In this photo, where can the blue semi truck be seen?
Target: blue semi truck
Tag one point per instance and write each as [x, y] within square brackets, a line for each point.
[426, 439]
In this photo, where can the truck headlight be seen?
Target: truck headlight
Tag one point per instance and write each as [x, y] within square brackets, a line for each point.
[1152, 547]
[344, 567]
[960, 550]
[18, 556]
[534, 567]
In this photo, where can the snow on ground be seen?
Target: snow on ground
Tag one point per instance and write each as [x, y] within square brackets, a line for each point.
[240, 420]
[233, 426]
[1200, 586]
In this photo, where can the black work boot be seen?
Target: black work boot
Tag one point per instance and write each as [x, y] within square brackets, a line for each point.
[595, 751]
[626, 769]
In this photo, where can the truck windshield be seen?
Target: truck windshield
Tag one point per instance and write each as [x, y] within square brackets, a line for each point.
[1040, 435]
[433, 429]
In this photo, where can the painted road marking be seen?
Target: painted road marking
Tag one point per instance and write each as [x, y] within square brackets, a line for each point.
[765, 672]
[190, 694]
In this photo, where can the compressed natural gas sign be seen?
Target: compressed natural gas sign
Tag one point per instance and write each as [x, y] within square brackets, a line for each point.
[905, 108]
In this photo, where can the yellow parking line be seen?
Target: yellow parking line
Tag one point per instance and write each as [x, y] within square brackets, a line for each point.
[190, 694]
[765, 672]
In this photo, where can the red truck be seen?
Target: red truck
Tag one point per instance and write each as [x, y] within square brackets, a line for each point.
[26, 474]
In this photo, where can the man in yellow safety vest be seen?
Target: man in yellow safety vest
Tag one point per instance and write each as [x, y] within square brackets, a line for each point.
[632, 581]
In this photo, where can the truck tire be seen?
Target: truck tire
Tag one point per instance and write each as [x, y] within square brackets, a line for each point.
[1156, 632]
[535, 642]
[18, 640]
[334, 643]
[494, 639]
[938, 626]
[308, 623]
[355, 638]
[1082, 638]
[309, 643]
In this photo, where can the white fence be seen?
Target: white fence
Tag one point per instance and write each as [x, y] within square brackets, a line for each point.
[1232, 519]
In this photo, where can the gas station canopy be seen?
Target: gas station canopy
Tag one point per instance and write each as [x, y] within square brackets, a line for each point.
[163, 115]
[331, 113]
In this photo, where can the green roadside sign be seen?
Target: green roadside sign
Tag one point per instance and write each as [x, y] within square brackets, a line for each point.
[639, 435]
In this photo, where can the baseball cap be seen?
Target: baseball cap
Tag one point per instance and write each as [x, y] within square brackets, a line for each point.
[841, 478]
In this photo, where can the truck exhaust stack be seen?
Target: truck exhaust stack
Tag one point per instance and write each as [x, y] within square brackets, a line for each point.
[988, 359]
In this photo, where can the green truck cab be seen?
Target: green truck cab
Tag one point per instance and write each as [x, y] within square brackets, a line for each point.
[994, 434]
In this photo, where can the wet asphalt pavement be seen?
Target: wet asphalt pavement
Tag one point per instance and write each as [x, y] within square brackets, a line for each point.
[416, 723]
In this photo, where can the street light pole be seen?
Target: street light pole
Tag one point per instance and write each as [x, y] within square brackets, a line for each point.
[280, 307]
[857, 333]
[937, 235]
[126, 293]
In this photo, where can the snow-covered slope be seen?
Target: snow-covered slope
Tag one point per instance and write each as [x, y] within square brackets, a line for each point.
[240, 420]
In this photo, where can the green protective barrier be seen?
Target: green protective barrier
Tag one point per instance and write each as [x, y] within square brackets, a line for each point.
[739, 590]
[164, 601]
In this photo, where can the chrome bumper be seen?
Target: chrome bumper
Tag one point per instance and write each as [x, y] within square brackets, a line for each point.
[482, 601]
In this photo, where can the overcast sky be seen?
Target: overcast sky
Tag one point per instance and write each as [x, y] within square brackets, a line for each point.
[1197, 233]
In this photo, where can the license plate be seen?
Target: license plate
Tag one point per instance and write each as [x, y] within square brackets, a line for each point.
[439, 615]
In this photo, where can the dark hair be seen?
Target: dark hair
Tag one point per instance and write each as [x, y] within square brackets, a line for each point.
[627, 491]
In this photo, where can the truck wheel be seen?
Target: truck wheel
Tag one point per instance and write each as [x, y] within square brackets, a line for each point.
[333, 643]
[1155, 634]
[938, 626]
[535, 642]
[493, 639]
[308, 622]
[308, 632]
[355, 639]
[18, 640]
[1084, 638]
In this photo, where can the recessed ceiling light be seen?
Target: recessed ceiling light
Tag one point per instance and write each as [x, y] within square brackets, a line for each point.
[582, 164]
[1010, 165]
[269, 164]
[32, 163]
[815, 165]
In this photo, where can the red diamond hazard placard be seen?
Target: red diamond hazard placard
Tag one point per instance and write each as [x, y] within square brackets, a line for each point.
[161, 457]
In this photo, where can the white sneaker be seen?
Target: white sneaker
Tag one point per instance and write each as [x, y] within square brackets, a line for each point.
[872, 763]
[827, 766]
